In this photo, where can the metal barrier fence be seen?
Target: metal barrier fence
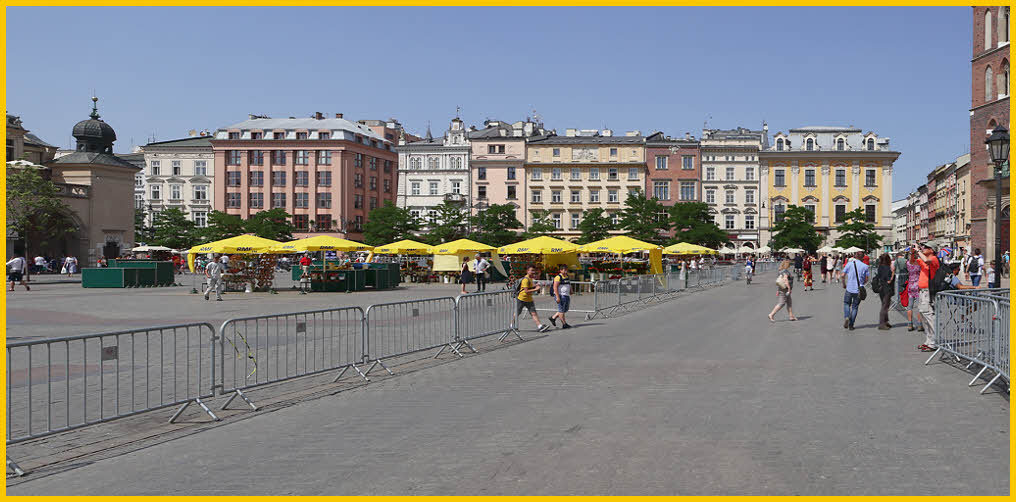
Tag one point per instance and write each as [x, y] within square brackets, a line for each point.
[626, 294]
[401, 328]
[267, 349]
[973, 326]
[482, 314]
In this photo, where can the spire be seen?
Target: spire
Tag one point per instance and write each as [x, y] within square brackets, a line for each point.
[95, 108]
[429, 135]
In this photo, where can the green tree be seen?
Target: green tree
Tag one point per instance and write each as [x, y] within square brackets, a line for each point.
[595, 225]
[35, 210]
[796, 230]
[693, 224]
[542, 225]
[856, 231]
[448, 224]
[142, 232]
[221, 226]
[644, 218]
[389, 223]
[496, 225]
[172, 229]
[270, 224]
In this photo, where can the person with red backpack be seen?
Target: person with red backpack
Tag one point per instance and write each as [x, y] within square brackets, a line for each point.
[929, 268]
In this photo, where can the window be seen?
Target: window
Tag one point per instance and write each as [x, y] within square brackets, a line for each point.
[481, 173]
[200, 192]
[279, 135]
[234, 135]
[357, 180]
[155, 166]
[687, 190]
[301, 221]
[661, 162]
[358, 201]
[841, 210]
[612, 174]
[555, 173]
[302, 179]
[388, 166]
[594, 196]
[729, 222]
[415, 163]
[557, 152]
[841, 178]
[256, 157]
[537, 196]
[278, 199]
[254, 179]
[536, 174]
[176, 167]
[778, 211]
[511, 173]
[809, 177]
[301, 135]
[779, 145]
[495, 148]
[512, 192]
[613, 152]
[749, 222]
[614, 218]
[433, 188]
[869, 213]
[388, 186]
[730, 173]
[324, 178]
[278, 157]
[324, 135]
[156, 192]
[279, 178]
[481, 192]
[810, 144]
[811, 207]
[232, 178]
[687, 162]
[555, 196]
[869, 177]
[415, 213]
[633, 173]
[373, 163]
[324, 157]
[779, 177]
[432, 163]
[661, 190]
[301, 199]
[256, 200]
[415, 188]
[257, 135]
[710, 173]
[576, 196]
[988, 81]
[233, 157]
[456, 186]
[987, 29]
[594, 174]
[612, 196]
[200, 168]
[139, 201]
[575, 220]
[729, 197]
[373, 183]
[432, 215]
[1003, 79]
[556, 218]
[232, 200]
[373, 203]
[323, 222]
[710, 196]
[358, 160]
[576, 174]
[200, 219]
[840, 144]
[871, 144]
[749, 197]
[324, 200]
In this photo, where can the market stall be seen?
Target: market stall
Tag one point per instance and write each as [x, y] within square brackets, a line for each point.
[607, 266]
[413, 257]
[339, 274]
[545, 253]
[448, 257]
[249, 261]
[684, 250]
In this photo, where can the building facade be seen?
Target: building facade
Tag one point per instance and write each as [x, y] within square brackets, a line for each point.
[497, 164]
[179, 174]
[673, 169]
[989, 108]
[584, 169]
[961, 231]
[434, 170]
[23, 145]
[899, 236]
[831, 171]
[731, 182]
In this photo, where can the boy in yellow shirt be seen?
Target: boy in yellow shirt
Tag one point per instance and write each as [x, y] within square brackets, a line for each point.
[527, 286]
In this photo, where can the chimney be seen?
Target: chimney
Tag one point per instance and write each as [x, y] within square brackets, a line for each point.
[687, 135]
[319, 115]
[607, 132]
[338, 115]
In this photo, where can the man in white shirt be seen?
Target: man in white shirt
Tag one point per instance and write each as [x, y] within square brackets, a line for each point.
[480, 266]
[16, 272]
[213, 271]
[975, 266]
[40, 264]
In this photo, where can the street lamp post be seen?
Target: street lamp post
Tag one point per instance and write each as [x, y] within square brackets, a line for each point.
[998, 149]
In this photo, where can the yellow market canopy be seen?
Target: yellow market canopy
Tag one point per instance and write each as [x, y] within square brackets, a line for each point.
[540, 245]
[687, 248]
[617, 244]
[241, 244]
[320, 243]
[405, 246]
[461, 246]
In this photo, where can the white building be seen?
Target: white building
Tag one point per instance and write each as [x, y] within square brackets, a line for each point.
[434, 170]
[178, 174]
[730, 181]
[899, 235]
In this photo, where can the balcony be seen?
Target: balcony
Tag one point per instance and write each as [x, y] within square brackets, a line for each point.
[454, 197]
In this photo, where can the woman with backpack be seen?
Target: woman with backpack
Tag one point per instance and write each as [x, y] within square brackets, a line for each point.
[784, 286]
[882, 284]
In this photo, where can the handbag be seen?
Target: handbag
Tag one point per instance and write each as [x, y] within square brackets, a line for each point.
[862, 292]
[782, 282]
[904, 298]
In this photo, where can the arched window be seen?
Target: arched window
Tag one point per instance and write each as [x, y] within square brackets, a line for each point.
[840, 144]
[779, 144]
[1004, 24]
[988, 95]
[810, 144]
[987, 29]
[871, 144]
[432, 163]
[1003, 78]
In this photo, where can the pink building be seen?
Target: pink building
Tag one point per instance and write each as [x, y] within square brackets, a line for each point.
[326, 172]
[496, 165]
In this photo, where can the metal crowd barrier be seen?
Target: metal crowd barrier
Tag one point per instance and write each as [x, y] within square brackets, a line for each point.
[262, 350]
[401, 328]
[973, 326]
[482, 314]
[628, 293]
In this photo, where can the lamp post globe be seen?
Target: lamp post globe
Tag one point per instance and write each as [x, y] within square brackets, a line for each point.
[998, 150]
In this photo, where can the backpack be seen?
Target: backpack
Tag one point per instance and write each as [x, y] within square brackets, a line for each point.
[876, 285]
[941, 282]
[974, 267]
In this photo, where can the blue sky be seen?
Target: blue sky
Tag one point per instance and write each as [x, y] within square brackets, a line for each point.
[902, 72]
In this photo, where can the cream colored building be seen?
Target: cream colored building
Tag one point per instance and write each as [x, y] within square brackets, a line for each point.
[179, 174]
[961, 231]
[584, 169]
[730, 181]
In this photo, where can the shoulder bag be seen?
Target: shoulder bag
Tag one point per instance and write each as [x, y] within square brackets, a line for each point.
[862, 293]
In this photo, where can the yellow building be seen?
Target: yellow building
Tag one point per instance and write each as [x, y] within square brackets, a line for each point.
[831, 171]
[584, 169]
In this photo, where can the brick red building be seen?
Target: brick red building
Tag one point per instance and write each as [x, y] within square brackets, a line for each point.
[326, 172]
[674, 167]
[989, 108]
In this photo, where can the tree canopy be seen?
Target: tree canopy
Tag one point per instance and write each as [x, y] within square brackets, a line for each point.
[171, 228]
[271, 224]
[856, 231]
[595, 226]
[35, 210]
[542, 225]
[448, 224]
[693, 224]
[496, 225]
[796, 229]
[389, 223]
[644, 218]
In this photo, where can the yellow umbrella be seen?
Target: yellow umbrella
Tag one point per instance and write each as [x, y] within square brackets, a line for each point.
[460, 246]
[539, 245]
[687, 248]
[617, 244]
[241, 244]
[320, 243]
[405, 246]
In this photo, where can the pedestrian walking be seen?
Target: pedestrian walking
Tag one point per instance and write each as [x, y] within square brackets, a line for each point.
[929, 267]
[465, 276]
[16, 271]
[989, 273]
[798, 264]
[784, 287]
[884, 282]
[838, 267]
[213, 272]
[70, 265]
[808, 279]
[562, 294]
[913, 292]
[480, 266]
[855, 276]
[305, 263]
[822, 262]
[524, 300]
[974, 265]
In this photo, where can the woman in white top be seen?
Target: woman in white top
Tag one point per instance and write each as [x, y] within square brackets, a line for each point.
[70, 265]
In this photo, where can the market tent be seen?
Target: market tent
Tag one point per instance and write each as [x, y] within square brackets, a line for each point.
[852, 249]
[460, 246]
[404, 246]
[143, 249]
[687, 248]
[621, 244]
[792, 250]
[765, 249]
[448, 256]
[554, 251]
[727, 251]
[320, 243]
[241, 244]
[746, 250]
[825, 249]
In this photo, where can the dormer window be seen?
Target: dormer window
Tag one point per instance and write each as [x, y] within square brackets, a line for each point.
[810, 144]
[234, 135]
[301, 135]
[279, 135]
[325, 135]
[871, 144]
[841, 144]
[256, 135]
[779, 144]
